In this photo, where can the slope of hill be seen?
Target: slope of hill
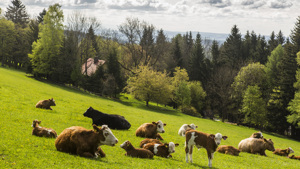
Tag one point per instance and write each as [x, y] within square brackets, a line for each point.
[19, 149]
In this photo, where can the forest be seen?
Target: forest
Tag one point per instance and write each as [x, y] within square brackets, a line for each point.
[249, 79]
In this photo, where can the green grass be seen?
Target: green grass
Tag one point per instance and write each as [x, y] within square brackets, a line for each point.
[19, 149]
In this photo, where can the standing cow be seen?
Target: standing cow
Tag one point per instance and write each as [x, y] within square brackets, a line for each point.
[113, 121]
[151, 130]
[80, 141]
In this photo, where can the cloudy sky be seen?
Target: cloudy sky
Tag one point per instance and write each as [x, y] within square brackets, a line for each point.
[216, 16]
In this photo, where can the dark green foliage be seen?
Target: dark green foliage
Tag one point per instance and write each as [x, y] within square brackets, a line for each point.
[17, 13]
[176, 52]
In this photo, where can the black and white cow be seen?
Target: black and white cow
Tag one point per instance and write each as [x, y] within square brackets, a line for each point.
[113, 121]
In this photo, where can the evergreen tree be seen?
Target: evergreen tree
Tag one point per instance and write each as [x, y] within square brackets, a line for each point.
[215, 52]
[197, 70]
[93, 38]
[231, 52]
[45, 51]
[176, 52]
[17, 13]
[272, 43]
[40, 18]
[113, 68]
[295, 37]
[280, 38]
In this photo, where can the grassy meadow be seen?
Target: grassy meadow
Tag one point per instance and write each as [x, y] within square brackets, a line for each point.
[19, 149]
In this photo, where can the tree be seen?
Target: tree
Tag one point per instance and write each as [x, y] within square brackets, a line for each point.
[149, 85]
[280, 38]
[7, 40]
[231, 51]
[45, 51]
[272, 43]
[197, 96]
[197, 69]
[176, 52]
[215, 52]
[294, 117]
[272, 69]
[295, 37]
[254, 107]
[17, 13]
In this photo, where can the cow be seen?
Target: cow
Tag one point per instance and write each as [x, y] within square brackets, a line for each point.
[136, 152]
[228, 150]
[80, 141]
[256, 146]
[113, 121]
[283, 152]
[202, 140]
[186, 127]
[149, 140]
[163, 150]
[151, 130]
[42, 131]
[257, 135]
[45, 104]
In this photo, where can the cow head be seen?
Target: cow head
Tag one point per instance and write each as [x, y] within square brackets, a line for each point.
[171, 147]
[126, 145]
[217, 138]
[35, 123]
[192, 126]
[107, 136]
[269, 144]
[88, 112]
[290, 150]
[52, 102]
[159, 126]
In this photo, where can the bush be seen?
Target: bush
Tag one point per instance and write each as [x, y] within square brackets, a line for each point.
[190, 111]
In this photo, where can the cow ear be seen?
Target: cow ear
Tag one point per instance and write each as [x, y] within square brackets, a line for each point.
[95, 127]
[176, 144]
[224, 137]
[51, 98]
[153, 122]
[265, 140]
[128, 143]
[39, 122]
[212, 136]
[196, 126]
[165, 124]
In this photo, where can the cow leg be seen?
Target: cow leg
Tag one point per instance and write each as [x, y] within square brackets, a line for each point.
[210, 157]
[100, 152]
[191, 153]
[84, 154]
[186, 152]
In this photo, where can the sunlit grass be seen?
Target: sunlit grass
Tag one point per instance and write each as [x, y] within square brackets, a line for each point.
[19, 149]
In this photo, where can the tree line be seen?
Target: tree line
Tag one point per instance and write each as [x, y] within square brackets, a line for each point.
[248, 79]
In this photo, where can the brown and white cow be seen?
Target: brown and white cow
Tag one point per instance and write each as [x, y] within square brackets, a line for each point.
[294, 157]
[202, 140]
[42, 131]
[283, 152]
[162, 150]
[256, 146]
[80, 141]
[135, 152]
[149, 140]
[151, 130]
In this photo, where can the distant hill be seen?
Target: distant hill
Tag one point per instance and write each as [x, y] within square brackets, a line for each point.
[220, 37]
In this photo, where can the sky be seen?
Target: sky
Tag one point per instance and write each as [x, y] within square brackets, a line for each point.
[215, 16]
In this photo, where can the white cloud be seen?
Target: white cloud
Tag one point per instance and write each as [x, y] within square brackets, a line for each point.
[280, 4]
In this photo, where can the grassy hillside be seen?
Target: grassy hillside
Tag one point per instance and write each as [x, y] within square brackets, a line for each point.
[19, 149]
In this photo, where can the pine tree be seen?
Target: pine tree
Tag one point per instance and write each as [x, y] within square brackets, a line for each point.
[197, 70]
[40, 18]
[272, 43]
[295, 37]
[215, 52]
[176, 52]
[280, 38]
[113, 68]
[17, 13]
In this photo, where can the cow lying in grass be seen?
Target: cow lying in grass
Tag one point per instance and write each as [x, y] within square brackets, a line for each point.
[42, 131]
[113, 121]
[283, 152]
[80, 141]
[163, 150]
[294, 157]
[135, 152]
[228, 150]
[149, 140]
[151, 130]
[257, 135]
[202, 140]
[256, 146]
[45, 104]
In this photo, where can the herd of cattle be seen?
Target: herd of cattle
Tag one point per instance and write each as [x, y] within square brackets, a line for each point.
[86, 143]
